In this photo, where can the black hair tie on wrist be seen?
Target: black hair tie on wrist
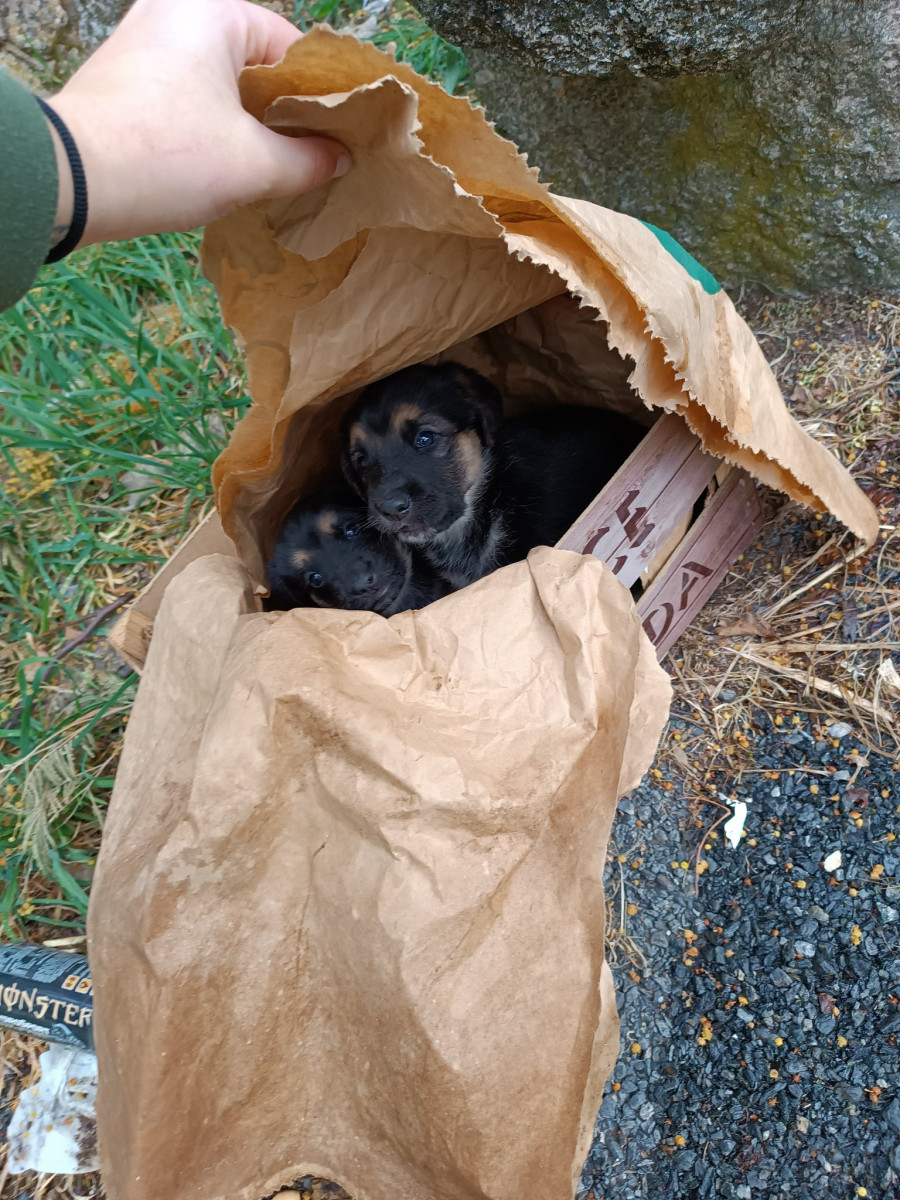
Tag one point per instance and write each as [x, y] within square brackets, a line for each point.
[79, 185]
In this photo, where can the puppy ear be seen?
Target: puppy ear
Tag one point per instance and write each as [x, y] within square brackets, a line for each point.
[347, 468]
[350, 474]
[282, 595]
[486, 402]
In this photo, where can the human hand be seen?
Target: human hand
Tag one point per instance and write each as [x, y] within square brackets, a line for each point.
[157, 118]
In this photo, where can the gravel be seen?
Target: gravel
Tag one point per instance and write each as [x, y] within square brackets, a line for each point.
[760, 1017]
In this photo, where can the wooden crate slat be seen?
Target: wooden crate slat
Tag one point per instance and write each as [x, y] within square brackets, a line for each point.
[702, 561]
[639, 508]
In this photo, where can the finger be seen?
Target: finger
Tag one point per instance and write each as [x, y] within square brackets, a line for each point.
[290, 166]
[266, 36]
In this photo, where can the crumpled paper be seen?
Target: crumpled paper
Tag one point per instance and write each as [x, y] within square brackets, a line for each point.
[441, 242]
[348, 915]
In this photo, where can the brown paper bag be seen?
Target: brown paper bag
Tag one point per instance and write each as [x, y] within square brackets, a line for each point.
[348, 914]
[442, 243]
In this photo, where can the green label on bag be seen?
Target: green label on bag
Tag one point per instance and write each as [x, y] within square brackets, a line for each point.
[708, 282]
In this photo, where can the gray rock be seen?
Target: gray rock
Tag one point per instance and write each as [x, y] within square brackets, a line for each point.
[58, 32]
[646, 37]
[783, 167]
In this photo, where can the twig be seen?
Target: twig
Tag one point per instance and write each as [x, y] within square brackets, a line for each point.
[779, 771]
[93, 624]
[820, 578]
[715, 825]
[871, 386]
[828, 647]
[822, 685]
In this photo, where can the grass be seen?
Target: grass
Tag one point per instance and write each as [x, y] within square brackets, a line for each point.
[398, 27]
[119, 385]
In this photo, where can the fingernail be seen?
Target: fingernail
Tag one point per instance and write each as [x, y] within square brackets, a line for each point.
[342, 166]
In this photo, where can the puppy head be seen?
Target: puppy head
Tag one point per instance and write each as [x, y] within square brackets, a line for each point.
[328, 554]
[417, 446]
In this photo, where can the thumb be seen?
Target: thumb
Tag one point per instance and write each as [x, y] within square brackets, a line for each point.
[287, 166]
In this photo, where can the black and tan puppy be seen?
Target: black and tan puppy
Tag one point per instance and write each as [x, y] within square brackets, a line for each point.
[328, 554]
[440, 468]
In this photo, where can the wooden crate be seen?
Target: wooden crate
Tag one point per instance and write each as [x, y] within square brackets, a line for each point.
[641, 524]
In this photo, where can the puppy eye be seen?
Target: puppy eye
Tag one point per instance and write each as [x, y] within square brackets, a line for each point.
[423, 439]
[315, 579]
[350, 531]
[358, 458]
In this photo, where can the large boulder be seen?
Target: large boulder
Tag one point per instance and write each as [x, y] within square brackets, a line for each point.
[649, 37]
[764, 135]
[39, 38]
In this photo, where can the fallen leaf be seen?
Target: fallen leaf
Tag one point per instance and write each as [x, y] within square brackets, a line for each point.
[858, 795]
[879, 494]
[826, 1002]
[681, 758]
[888, 676]
[850, 621]
[750, 625]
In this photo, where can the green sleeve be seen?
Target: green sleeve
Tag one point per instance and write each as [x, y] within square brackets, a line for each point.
[28, 190]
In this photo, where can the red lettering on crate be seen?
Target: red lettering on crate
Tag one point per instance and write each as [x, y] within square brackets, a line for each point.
[691, 574]
[656, 635]
[700, 571]
[631, 520]
[591, 544]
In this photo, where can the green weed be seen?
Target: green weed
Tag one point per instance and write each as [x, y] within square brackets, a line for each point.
[118, 387]
[399, 27]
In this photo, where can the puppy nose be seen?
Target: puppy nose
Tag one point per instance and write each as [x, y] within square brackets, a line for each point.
[395, 506]
[364, 581]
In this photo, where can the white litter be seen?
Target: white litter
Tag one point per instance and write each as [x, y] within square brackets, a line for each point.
[734, 826]
[54, 1128]
[832, 862]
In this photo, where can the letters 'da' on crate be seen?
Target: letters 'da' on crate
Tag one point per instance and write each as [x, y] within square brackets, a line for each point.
[348, 913]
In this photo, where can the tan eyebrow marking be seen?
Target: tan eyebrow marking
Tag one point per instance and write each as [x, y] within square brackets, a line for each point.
[326, 522]
[471, 453]
[299, 559]
[403, 413]
[358, 435]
